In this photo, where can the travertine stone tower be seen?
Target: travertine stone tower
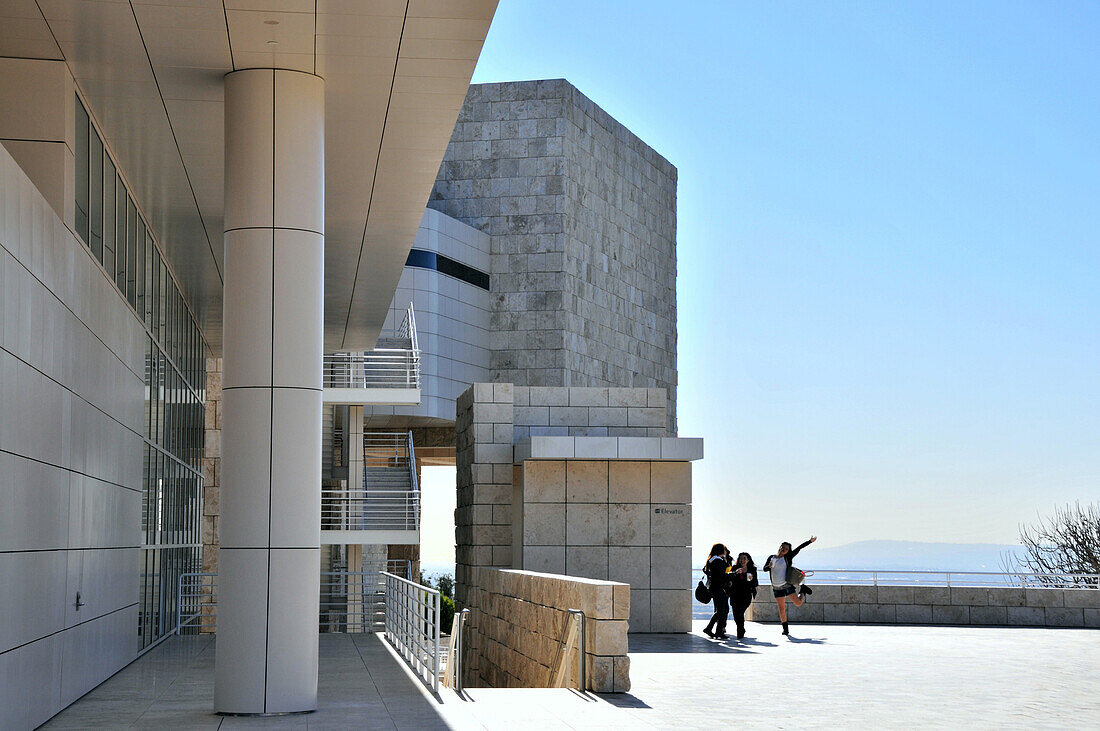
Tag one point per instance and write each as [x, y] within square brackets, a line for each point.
[582, 215]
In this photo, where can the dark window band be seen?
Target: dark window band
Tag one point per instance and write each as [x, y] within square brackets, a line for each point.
[446, 265]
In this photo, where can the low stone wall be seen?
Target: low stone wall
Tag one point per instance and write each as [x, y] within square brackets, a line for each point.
[937, 605]
[513, 634]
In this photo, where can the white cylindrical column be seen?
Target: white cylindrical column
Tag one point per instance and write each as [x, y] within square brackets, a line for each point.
[269, 559]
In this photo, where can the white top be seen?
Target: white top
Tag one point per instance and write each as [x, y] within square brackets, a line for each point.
[779, 572]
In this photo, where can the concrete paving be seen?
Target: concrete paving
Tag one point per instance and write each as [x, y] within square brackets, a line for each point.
[823, 676]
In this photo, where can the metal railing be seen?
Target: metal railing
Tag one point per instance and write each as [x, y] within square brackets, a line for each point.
[407, 328]
[386, 449]
[454, 662]
[350, 601]
[978, 579]
[345, 509]
[196, 609]
[395, 363]
[412, 478]
[388, 499]
[582, 674]
[412, 626]
[355, 601]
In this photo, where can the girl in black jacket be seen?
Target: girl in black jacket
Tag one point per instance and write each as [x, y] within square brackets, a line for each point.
[717, 572]
[743, 585]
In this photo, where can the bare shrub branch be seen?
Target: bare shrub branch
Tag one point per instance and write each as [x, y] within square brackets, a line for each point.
[1067, 542]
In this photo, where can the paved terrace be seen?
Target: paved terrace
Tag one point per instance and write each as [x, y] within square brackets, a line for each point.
[832, 676]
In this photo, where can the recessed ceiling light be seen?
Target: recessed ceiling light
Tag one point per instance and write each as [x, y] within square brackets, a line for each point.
[271, 22]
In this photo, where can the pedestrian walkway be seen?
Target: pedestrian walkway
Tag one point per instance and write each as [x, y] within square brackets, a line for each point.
[361, 686]
[828, 676]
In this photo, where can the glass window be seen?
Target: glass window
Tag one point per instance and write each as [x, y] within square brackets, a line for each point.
[95, 193]
[139, 269]
[154, 295]
[147, 314]
[81, 171]
[120, 235]
[130, 289]
[162, 303]
[108, 252]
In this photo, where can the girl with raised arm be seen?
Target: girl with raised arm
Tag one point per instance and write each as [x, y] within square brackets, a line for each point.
[779, 564]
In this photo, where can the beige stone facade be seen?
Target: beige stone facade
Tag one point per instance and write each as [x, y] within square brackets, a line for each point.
[211, 472]
[483, 456]
[621, 520]
[579, 481]
[517, 622]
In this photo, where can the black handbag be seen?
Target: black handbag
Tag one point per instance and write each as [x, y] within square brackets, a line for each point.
[702, 593]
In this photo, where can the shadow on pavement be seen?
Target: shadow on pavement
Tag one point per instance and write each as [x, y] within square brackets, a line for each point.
[624, 700]
[689, 643]
[807, 640]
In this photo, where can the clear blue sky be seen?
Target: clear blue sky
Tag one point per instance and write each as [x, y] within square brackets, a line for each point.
[889, 249]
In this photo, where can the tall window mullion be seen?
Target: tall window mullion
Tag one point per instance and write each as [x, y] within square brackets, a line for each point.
[82, 193]
[107, 254]
[95, 194]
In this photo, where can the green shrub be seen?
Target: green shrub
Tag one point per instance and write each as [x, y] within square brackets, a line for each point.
[446, 613]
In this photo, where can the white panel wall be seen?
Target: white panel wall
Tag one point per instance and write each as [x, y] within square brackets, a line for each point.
[452, 320]
[71, 408]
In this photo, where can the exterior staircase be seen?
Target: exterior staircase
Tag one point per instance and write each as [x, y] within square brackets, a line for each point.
[387, 375]
[380, 503]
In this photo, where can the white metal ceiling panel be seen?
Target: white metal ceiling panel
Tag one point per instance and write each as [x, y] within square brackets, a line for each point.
[396, 73]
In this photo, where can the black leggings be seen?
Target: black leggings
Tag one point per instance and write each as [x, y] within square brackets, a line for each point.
[739, 607]
[721, 612]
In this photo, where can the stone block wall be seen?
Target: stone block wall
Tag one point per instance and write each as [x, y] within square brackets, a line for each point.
[483, 460]
[211, 472]
[590, 412]
[516, 624]
[582, 216]
[615, 506]
[959, 605]
[621, 520]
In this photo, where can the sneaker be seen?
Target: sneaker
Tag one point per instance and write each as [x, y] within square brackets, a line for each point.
[708, 633]
[807, 590]
[722, 636]
[786, 631]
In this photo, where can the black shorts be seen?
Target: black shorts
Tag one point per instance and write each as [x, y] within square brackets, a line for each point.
[784, 591]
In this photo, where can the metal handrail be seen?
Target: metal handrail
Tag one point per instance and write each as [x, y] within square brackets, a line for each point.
[412, 626]
[385, 449]
[196, 591]
[369, 509]
[455, 664]
[408, 329]
[378, 368]
[384, 367]
[349, 601]
[987, 579]
[582, 678]
[412, 475]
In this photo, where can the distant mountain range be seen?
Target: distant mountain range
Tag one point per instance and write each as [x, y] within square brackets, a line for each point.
[879, 555]
[909, 556]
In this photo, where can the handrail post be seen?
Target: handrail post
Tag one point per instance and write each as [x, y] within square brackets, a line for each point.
[460, 641]
[435, 656]
[179, 602]
[582, 670]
